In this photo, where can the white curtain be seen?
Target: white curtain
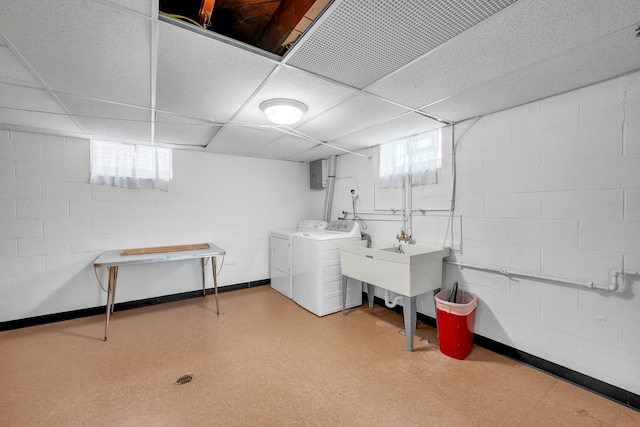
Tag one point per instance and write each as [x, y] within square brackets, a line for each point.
[130, 166]
[417, 155]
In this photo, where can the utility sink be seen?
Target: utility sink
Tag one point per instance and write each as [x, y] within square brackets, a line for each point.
[408, 270]
[405, 269]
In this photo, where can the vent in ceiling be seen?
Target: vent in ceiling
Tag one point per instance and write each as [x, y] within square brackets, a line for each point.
[359, 42]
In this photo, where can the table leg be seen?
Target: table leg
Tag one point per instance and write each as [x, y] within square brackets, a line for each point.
[204, 292]
[113, 293]
[409, 309]
[113, 277]
[215, 281]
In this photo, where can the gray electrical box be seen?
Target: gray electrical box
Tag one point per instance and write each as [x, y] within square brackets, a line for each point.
[318, 174]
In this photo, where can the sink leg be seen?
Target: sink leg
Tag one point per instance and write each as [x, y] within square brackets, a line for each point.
[344, 295]
[410, 318]
[370, 295]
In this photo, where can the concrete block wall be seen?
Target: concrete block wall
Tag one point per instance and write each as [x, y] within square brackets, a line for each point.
[568, 211]
[550, 187]
[53, 224]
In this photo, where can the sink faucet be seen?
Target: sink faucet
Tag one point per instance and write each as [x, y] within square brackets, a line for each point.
[403, 237]
[367, 237]
[398, 246]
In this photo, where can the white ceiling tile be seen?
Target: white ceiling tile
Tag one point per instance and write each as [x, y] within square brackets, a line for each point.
[285, 147]
[32, 107]
[408, 124]
[202, 77]
[525, 33]
[318, 152]
[241, 140]
[28, 99]
[102, 50]
[359, 42]
[357, 113]
[316, 93]
[588, 64]
[339, 148]
[172, 129]
[83, 47]
[12, 70]
[108, 120]
[142, 6]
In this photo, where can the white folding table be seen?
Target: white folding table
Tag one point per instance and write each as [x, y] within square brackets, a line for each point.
[113, 259]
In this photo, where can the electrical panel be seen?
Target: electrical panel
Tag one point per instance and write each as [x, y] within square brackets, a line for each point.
[318, 174]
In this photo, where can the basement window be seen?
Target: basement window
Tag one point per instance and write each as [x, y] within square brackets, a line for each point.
[418, 155]
[130, 165]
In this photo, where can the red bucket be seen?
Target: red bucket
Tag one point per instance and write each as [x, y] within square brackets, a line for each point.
[456, 321]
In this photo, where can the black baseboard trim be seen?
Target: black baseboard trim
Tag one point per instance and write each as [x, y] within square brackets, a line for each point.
[611, 392]
[93, 311]
[594, 385]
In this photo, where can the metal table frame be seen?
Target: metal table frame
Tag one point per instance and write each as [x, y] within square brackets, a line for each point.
[112, 260]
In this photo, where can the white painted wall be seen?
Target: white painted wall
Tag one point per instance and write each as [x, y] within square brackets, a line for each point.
[549, 187]
[53, 224]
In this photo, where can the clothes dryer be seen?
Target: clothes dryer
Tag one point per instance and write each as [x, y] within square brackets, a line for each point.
[280, 254]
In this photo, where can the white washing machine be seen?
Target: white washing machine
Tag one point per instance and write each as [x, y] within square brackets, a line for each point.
[315, 267]
[280, 253]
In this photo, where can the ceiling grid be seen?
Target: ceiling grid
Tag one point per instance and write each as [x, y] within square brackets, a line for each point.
[368, 71]
[361, 42]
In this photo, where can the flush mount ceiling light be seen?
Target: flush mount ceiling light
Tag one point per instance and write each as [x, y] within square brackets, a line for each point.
[283, 111]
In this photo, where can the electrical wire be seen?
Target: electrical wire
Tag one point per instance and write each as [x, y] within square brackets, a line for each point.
[362, 222]
[454, 148]
[186, 18]
[221, 264]
[95, 270]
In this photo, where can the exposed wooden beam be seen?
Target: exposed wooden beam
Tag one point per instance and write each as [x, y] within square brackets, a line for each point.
[283, 21]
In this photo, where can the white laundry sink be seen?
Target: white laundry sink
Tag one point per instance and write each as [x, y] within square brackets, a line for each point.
[405, 269]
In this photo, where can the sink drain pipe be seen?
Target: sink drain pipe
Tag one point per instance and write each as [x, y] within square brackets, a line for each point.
[391, 304]
[331, 184]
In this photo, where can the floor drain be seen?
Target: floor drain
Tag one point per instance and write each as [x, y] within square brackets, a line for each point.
[184, 379]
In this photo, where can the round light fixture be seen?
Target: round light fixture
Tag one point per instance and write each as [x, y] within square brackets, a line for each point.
[283, 111]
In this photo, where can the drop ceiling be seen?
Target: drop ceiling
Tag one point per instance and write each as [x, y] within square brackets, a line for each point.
[271, 25]
[369, 72]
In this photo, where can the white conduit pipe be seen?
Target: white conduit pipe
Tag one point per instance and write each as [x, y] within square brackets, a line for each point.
[404, 203]
[331, 185]
[393, 303]
[408, 209]
[616, 273]
[593, 285]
